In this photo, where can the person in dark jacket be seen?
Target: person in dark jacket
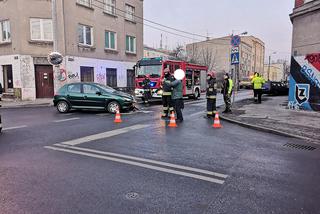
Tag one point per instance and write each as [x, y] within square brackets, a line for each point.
[211, 94]
[177, 98]
[227, 92]
[167, 93]
[147, 89]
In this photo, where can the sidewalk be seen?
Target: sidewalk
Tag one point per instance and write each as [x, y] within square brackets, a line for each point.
[9, 103]
[274, 116]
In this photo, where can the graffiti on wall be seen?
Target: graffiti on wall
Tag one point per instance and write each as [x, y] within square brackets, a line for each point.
[305, 82]
[27, 76]
[101, 78]
[62, 75]
[73, 76]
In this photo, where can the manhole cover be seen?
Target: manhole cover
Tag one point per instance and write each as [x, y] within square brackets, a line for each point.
[132, 195]
[298, 146]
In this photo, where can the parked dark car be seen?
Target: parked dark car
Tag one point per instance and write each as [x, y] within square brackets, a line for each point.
[0, 106]
[275, 88]
[92, 96]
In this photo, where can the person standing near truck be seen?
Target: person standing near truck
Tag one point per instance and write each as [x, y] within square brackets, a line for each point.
[211, 94]
[146, 89]
[177, 98]
[227, 92]
[166, 94]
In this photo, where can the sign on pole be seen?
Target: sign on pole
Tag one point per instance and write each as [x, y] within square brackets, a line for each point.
[235, 41]
[235, 56]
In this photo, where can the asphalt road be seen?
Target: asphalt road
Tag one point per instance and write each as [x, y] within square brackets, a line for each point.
[84, 163]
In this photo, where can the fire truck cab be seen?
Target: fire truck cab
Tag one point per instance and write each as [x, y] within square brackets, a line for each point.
[154, 67]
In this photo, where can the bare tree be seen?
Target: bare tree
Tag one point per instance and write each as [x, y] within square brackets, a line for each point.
[207, 58]
[179, 52]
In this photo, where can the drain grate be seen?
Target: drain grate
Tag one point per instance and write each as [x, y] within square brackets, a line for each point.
[298, 146]
[132, 195]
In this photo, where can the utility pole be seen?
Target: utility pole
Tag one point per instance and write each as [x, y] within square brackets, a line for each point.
[269, 68]
[54, 25]
[56, 68]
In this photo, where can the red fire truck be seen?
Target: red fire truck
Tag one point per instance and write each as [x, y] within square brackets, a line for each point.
[193, 82]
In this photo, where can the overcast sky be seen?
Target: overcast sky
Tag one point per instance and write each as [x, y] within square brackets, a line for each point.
[265, 19]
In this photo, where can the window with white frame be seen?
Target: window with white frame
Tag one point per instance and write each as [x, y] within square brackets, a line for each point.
[41, 29]
[85, 2]
[85, 34]
[130, 11]
[110, 40]
[130, 44]
[5, 33]
[110, 6]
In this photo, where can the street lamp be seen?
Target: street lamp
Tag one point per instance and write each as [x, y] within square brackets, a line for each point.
[270, 65]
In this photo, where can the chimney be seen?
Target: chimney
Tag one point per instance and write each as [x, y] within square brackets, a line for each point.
[299, 3]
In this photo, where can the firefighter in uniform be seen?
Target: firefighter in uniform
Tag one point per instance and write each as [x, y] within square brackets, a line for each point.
[211, 95]
[147, 89]
[227, 92]
[167, 93]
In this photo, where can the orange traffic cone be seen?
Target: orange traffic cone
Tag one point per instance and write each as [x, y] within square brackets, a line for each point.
[172, 122]
[216, 123]
[118, 117]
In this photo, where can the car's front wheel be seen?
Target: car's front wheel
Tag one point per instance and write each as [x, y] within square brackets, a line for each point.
[63, 106]
[113, 106]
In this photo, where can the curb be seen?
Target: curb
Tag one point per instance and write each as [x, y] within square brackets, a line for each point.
[27, 106]
[269, 130]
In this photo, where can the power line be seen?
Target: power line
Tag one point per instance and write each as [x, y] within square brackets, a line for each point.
[156, 23]
[176, 34]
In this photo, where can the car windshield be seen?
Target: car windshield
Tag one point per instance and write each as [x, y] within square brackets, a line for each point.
[106, 88]
[152, 70]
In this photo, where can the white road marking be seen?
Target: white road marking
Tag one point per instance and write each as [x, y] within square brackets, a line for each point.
[147, 161]
[104, 135]
[64, 120]
[196, 114]
[161, 169]
[15, 127]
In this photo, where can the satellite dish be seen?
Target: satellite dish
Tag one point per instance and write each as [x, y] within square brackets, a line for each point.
[179, 74]
[55, 58]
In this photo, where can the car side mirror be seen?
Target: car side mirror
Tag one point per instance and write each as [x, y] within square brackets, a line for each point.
[98, 93]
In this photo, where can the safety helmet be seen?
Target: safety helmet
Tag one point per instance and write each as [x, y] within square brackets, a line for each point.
[211, 74]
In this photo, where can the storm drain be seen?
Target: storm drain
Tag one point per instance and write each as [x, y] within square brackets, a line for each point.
[132, 195]
[297, 146]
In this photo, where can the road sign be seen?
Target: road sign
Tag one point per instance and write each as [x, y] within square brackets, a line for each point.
[235, 58]
[235, 41]
[234, 50]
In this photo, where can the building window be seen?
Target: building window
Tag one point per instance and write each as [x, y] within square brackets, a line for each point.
[85, 34]
[87, 74]
[41, 29]
[111, 77]
[130, 44]
[110, 40]
[85, 2]
[5, 35]
[130, 10]
[110, 6]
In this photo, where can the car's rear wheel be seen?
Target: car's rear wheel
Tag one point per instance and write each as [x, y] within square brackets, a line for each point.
[113, 106]
[63, 106]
